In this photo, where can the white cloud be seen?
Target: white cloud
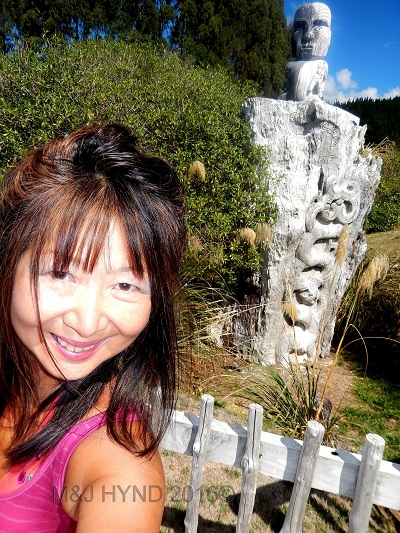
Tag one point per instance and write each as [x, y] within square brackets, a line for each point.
[342, 88]
[371, 92]
[343, 77]
[332, 93]
[392, 93]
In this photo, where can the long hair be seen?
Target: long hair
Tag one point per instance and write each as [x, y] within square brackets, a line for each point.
[76, 186]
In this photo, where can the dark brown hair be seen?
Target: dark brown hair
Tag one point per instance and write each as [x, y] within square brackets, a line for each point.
[80, 183]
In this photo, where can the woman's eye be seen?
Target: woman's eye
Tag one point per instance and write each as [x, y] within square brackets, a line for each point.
[125, 287]
[60, 275]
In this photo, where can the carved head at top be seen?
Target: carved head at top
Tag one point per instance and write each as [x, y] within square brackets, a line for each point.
[311, 33]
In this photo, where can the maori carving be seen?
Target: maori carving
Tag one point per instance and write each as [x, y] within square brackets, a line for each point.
[312, 270]
[320, 183]
[305, 79]
[311, 35]
[324, 137]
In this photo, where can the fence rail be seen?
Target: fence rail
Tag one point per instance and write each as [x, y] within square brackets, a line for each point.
[365, 478]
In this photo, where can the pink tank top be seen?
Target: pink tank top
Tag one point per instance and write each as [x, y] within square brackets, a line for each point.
[36, 506]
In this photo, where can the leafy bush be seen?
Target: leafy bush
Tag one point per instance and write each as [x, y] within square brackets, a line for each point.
[385, 212]
[177, 110]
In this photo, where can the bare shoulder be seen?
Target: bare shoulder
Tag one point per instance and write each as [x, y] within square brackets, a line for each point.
[107, 488]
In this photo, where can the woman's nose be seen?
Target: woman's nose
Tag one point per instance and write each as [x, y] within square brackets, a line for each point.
[87, 314]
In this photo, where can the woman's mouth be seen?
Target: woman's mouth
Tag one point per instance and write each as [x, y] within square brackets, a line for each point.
[73, 347]
[75, 350]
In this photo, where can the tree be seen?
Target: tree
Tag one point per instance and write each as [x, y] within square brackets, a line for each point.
[5, 26]
[381, 116]
[250, 38]
[29, 20]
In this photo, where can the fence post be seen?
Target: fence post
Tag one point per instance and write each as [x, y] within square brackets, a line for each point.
[304, 476]
[250, 465]
[198, 461]
[366, 481]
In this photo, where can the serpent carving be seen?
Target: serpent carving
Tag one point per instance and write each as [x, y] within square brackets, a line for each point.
[336, 204]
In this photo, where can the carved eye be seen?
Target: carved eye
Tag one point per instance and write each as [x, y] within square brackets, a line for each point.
[299, 25]
[320, 22]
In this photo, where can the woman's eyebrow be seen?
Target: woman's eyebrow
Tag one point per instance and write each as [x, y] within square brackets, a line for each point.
[121, 269]
[126, 270]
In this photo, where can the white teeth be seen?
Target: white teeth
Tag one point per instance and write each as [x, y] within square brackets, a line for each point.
[63, 343]
[71, 347]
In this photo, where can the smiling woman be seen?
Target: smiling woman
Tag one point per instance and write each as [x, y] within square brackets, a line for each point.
[92, 234]
[86, 317]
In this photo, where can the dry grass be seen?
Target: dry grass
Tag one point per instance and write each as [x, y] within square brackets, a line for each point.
[325, 513]
[263, 235]
[247, 235]
[197, 170]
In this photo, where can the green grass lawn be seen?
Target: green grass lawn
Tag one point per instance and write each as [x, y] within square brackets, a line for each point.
[377, 383]
[378, 412]
[387, 242]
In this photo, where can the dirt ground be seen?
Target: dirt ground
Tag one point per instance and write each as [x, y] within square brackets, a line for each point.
[219, 505]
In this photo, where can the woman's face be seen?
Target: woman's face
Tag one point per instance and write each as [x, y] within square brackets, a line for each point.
[86, 318]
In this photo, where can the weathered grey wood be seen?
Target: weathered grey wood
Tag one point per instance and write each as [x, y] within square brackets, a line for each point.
[366, 483]
[250, 466]
[199, 456]
[304, 476]
[336, 470]
[324, 185]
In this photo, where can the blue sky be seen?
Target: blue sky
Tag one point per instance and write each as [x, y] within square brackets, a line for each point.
[364, 55]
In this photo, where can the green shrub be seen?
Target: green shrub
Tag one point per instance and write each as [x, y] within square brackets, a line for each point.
[385, 212]
[177, 110]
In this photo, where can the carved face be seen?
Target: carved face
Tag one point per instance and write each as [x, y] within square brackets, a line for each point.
[311, 34]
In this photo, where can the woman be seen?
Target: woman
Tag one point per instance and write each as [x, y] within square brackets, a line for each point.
[92, 234]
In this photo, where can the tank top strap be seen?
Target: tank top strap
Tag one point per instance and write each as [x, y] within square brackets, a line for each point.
[74, 436]
[64, 449]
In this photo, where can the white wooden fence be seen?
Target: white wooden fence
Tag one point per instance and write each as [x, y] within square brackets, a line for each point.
[366, 478]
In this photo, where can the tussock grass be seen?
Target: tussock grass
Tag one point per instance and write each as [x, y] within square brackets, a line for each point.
[373, 334]
[289, 395]
[264, 235]
[248, 235]
[202, 314]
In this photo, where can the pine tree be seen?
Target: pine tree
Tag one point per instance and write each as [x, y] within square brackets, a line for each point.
[250, 38]
[381, 116]
[77, 19]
